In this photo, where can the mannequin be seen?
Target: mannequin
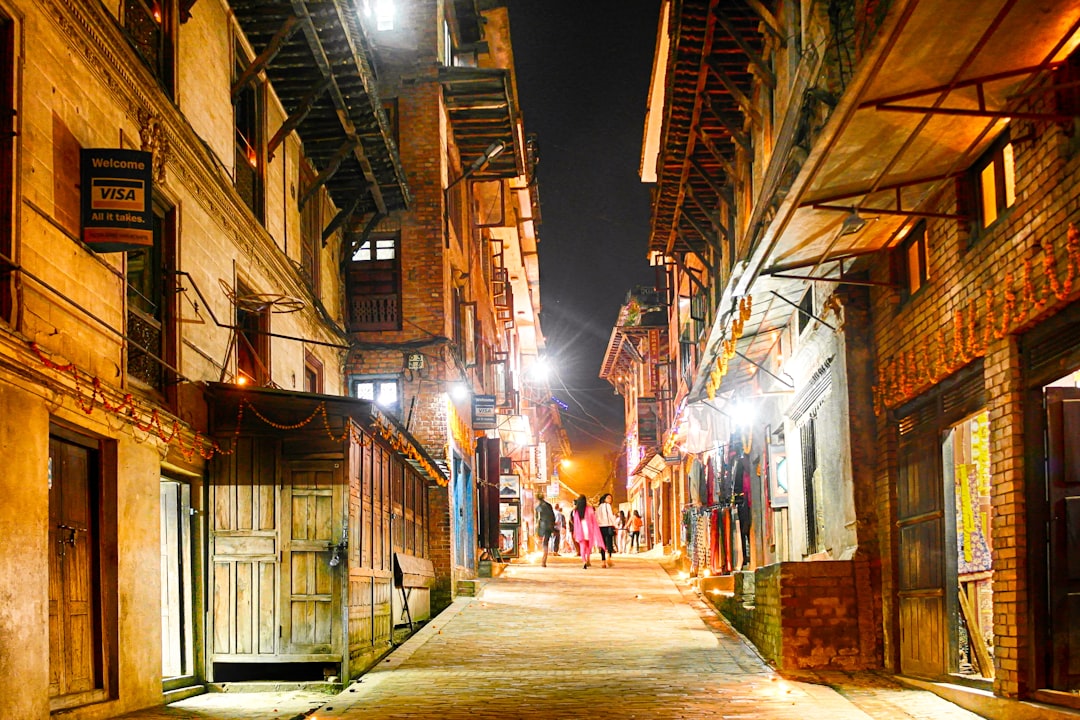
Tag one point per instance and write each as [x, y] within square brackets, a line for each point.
[741, 493]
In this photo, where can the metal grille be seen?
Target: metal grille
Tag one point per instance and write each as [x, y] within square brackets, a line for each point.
[145, 335]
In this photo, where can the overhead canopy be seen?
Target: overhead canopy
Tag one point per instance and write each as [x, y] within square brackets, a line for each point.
[939, 83]
[483, 111]
[715, 58]
[317, 59]
[240, 410]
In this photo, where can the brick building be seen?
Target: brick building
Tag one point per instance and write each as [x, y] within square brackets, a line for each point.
[444, 298]
[866, 220]
[285, 221]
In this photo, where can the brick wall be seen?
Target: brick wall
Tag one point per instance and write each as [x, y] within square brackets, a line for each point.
[439, 540]
[964, 273]
[808, 615]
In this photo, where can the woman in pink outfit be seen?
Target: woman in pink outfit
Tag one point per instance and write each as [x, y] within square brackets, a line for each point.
[587, 530]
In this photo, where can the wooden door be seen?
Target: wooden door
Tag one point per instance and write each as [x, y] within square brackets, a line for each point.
[924, 631]
[176, 600]
[75, 654]
[312, 510]
[1063, 581]
[244, 554]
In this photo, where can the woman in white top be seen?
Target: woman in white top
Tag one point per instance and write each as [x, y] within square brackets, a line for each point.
[605, 518]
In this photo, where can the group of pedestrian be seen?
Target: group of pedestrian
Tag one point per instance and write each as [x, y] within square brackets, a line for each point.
[591, 529]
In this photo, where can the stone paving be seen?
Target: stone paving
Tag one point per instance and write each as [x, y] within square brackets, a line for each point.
[564, 642]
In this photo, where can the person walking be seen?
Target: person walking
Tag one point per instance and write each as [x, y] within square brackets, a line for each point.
[545, 525]
[636, 523]
[605, 518]
[620, 531]
[560, 530]
[586, 531]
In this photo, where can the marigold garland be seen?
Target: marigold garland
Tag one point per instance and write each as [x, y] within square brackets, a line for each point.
[912, 370]
[207, 448]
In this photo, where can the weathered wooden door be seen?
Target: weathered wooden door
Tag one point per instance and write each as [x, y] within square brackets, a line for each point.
[75, 657]
[176, 600]
[312, 509]
[244, 554]
[1063, 586]
[924, 633]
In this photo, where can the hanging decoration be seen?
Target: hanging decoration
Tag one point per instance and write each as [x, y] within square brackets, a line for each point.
[973, 326]
[728, 345]
[91, 393]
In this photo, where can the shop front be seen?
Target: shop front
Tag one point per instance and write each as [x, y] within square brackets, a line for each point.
[316, 504]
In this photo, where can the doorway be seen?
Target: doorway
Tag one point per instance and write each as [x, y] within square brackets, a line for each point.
[77, 659]
[177, 643]
[966, 466]
[465, 507]
[1062, 495]
[942, 478]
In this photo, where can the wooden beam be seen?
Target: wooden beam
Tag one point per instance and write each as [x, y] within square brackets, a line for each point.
[736, 132]
[686, 271]
[328, 172]
[720, 229]
[697, 251]
[701, 229]
[736, 92]
[344, 214]
[722, 191]
[294, 120]
[771, 23]
[763, 70]
[291, 25]
[319, 55]
[717, 155]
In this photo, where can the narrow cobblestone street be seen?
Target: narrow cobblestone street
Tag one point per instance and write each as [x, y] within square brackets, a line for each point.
[567, 642]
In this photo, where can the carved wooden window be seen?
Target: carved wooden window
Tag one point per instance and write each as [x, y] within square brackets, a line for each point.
[250, 156]
[149, 25]
[150, 321]
[374, 285]
[311, 227]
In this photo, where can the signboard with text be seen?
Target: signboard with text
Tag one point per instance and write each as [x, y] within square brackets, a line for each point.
[483, 412]
[117, 210]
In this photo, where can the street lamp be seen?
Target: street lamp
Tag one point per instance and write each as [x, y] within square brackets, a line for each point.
[493, 151]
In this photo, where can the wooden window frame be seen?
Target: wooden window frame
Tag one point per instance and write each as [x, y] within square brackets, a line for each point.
[163, 263]
[254, 339]
[314, 366]
[7, 167]
[902, 261]
[164, 13]
[376, 381]
[1001, 157]
[249, 141]
[311, 227]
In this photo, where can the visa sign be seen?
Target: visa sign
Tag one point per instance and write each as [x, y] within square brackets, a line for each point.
[117, 212]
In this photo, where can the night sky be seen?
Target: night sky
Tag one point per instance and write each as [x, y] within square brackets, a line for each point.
[583, 71]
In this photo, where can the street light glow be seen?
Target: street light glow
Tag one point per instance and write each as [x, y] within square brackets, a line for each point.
[540, 370]
[458, 391]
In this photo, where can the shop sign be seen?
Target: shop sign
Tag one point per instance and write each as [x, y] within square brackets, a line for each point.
[648, 422]
[483, 412]
[117, 212]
